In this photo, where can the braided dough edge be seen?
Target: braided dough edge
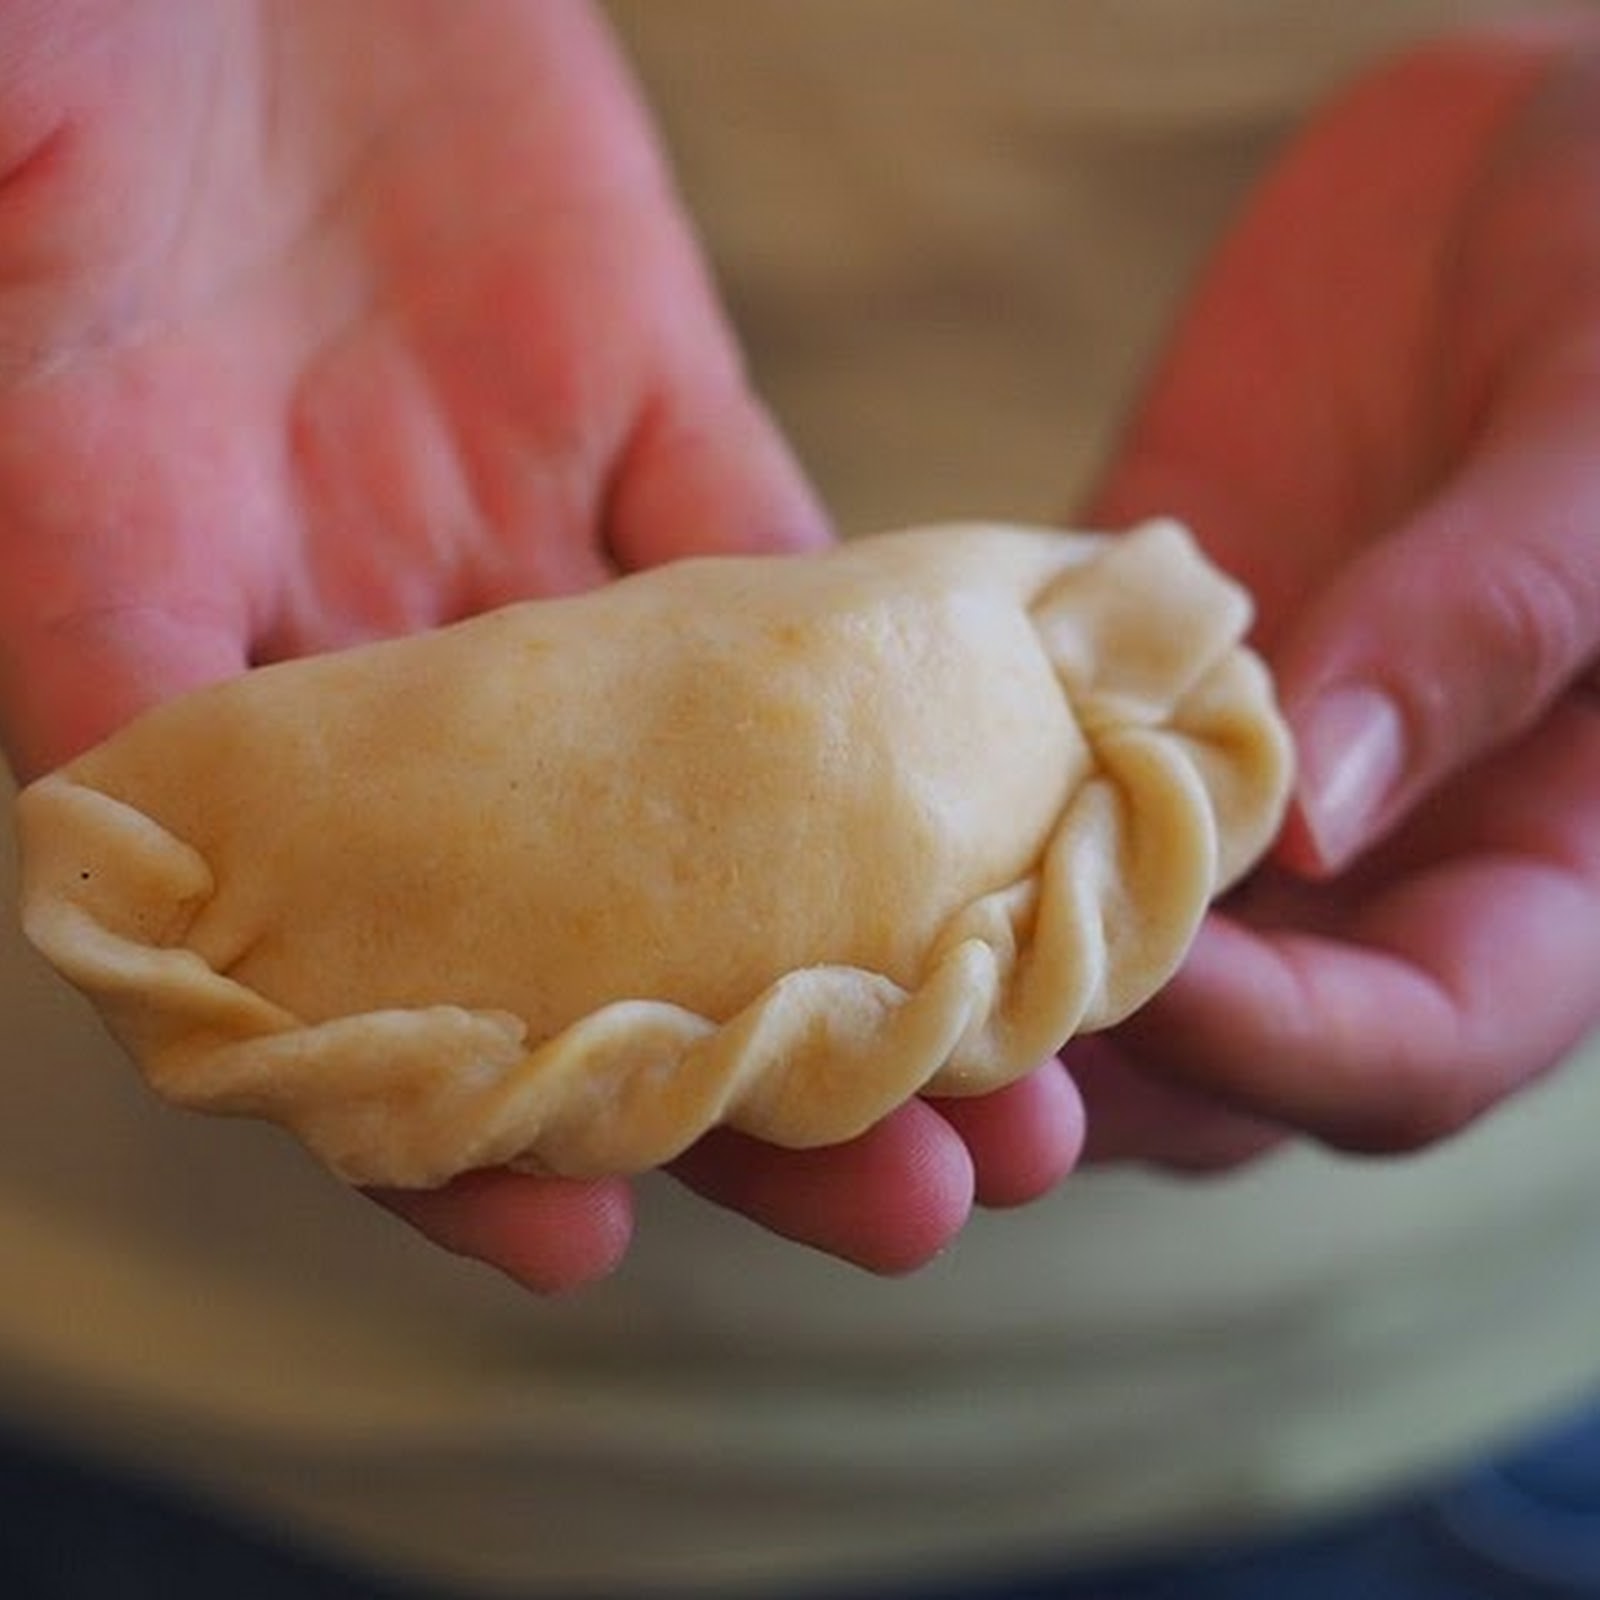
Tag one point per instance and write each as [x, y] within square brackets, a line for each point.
[1191, 771]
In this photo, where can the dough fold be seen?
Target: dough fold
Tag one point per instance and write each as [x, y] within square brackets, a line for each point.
[772, 843]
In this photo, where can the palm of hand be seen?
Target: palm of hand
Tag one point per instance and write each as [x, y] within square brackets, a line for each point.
[1376, 413]
[418, 332]
[430, 339]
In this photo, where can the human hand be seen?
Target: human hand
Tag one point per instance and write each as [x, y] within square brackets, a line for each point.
[321, 323]
[1380, 412]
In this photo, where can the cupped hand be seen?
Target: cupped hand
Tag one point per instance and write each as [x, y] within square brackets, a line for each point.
[1380, 411]
[325, 322]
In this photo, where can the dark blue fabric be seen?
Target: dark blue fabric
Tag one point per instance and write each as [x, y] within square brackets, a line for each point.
[1525, 1526]
[68, 1532]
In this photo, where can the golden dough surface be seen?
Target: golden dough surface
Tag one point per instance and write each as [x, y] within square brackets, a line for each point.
[773, 842]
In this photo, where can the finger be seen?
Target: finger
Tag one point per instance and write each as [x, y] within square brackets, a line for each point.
[1283, 414]
[1023, 1139]
[710, 474]
[548, 1234]
[1137, 1118]
[1449, 639]
[888, 1201]
[1442, 992]
[66, 685]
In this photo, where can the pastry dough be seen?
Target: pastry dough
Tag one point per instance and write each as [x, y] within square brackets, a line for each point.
[769, 842]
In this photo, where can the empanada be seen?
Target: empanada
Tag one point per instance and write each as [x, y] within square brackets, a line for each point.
[769, 842]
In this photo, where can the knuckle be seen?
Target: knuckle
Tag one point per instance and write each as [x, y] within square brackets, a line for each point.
[1532, 623]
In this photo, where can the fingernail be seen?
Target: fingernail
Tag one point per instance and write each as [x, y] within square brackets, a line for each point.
[1351, 748]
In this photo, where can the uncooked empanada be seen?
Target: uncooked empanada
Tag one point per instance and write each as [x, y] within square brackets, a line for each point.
[770, 842]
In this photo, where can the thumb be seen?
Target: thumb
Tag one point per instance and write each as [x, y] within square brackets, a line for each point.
[67, 684]
[1447, 639]
[710, 474]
